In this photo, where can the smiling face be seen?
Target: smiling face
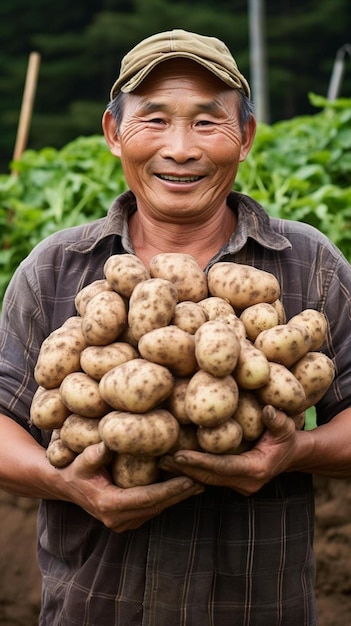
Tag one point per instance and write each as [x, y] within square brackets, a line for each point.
[180, 142]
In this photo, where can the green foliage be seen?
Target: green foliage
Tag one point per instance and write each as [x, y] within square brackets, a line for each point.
[298, 169]
[54, 189]
[301, 169]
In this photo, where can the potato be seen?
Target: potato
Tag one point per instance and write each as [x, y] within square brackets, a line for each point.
[279, 307]
[242, 285]
[57, 453]
[151, 433]
[259, 317]
[189, 316]
[124, 271]
[187, 438]
[249, 415]
[315, 371]
[88, 292]
[104, 319]
[217, 348]
[221, 439]
[47, 410]
[59, 355]
[97, 360]
[283, 391]
[137, 386]
[216, 307]
[81, 394]
[128, 470]
[151, 305]
[183, 271]
[77, 432]
[252, 369]
[234, 323]
[316, 325]
[210, 400]
[176, 401]
[171, 347]
[284, 343]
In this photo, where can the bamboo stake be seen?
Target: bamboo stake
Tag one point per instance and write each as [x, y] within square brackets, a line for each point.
[27, 104]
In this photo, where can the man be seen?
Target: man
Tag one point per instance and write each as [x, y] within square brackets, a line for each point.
[228, 540]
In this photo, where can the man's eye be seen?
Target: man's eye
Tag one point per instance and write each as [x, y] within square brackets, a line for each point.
[204, 123]
[156, 120]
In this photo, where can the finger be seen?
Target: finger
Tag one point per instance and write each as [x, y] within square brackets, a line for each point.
[276, 421]
[95, 457]
[193, 463]
[158, 495]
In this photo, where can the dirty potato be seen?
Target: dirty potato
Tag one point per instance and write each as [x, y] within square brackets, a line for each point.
[316, 325]
[104, 319]
[187, 438]
[88, 292]
[284, 344]
[315, 371]
[249, 415]
[47, 410]
[137, 385]
[77, 432]
[97, 360]
[217, 348]
[283, 391]
[183, 271]
[59, 355]
[210, 400]
[189, 316]
[57, 453]
[151, 433]
[252, 369]
[234, 323]
[124, 271]
[171, 347]
[242, 285]
[151, 305]
[176, 401]
[216, 307]
[259, 317]
[128, 470]
[221, 439]
[81, 394]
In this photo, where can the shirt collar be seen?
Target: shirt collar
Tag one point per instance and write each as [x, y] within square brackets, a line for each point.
[253, 222]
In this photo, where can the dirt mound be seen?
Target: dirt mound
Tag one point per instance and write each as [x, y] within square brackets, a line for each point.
[20, 580]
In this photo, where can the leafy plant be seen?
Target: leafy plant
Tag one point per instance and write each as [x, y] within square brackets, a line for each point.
[301, 169]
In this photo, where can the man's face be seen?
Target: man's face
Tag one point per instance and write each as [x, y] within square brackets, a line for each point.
[180, 142]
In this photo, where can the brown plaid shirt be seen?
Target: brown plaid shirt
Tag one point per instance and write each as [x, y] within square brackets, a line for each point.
[218, 559]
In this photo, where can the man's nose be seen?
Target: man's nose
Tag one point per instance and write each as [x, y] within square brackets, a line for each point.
[181, 146]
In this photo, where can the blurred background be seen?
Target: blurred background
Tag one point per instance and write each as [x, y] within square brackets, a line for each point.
[81, 44]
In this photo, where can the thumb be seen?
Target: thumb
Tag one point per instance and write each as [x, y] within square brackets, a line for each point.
[276, 421]
[96, 456]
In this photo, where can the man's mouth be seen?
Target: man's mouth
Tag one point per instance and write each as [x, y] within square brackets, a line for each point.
[179, 179]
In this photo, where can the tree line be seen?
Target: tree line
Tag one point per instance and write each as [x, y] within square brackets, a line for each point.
[82, 43]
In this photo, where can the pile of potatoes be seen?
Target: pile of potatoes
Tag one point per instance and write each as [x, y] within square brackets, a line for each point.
[165, 358]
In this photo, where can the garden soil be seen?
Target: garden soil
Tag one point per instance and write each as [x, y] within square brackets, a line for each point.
[20, 580]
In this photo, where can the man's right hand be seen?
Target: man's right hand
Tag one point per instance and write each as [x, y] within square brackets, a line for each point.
[89, 484]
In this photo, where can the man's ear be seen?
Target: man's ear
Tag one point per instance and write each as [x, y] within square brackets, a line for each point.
[110, 132]
[248, 137]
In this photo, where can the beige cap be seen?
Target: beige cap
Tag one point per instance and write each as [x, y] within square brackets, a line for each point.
[210, 52]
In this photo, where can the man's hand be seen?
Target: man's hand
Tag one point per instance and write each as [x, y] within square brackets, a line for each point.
[246, 472]
[88, 484]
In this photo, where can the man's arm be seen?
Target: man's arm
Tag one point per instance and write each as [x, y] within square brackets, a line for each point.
[25, 471]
